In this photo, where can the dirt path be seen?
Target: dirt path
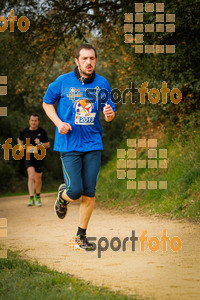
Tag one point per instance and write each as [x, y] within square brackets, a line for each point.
[40, 235]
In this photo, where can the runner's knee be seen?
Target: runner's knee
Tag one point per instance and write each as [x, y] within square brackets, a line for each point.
[38, 179]
[89, 191]
[31, 177]
[75, 193]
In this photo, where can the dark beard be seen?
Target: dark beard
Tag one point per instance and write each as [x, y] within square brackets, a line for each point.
[84, 73]
[82, 79]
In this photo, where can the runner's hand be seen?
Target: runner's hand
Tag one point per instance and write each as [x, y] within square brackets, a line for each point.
[108, 113]
[63, 127]
[37, 141]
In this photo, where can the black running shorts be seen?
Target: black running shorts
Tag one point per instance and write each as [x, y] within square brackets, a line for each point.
[37, 164]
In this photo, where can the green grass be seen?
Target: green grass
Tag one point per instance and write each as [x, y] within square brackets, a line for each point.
[22, 280]
[182, 197]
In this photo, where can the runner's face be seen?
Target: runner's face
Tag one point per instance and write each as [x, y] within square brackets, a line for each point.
[86, 62]
[33, 122]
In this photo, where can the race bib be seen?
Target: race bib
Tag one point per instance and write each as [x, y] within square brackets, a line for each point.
[83, 115]
[84, 118]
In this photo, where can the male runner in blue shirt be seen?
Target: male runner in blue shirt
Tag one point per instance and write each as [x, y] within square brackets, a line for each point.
[81, 95]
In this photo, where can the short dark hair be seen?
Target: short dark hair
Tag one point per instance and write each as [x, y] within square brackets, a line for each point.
[34, 115]
[85, 46]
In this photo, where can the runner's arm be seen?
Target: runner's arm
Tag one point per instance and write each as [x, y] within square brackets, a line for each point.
[51, 113]
[45, 144]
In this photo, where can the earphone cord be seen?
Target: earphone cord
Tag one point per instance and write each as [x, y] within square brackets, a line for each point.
[82, 80]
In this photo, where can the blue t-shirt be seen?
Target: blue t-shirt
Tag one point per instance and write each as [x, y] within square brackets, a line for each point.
[79, 105]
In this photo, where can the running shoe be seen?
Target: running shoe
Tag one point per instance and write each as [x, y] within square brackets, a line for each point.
[60, 206]
[38, 200]
[81, 242]
[31, 202]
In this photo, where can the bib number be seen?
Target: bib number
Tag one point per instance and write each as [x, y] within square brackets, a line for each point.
[84, 119]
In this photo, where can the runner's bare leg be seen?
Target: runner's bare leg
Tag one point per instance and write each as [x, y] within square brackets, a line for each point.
[38, 182]
[85, 210]
[31, 179]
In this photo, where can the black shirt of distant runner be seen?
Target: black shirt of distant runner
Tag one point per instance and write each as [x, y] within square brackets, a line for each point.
[37, 135]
